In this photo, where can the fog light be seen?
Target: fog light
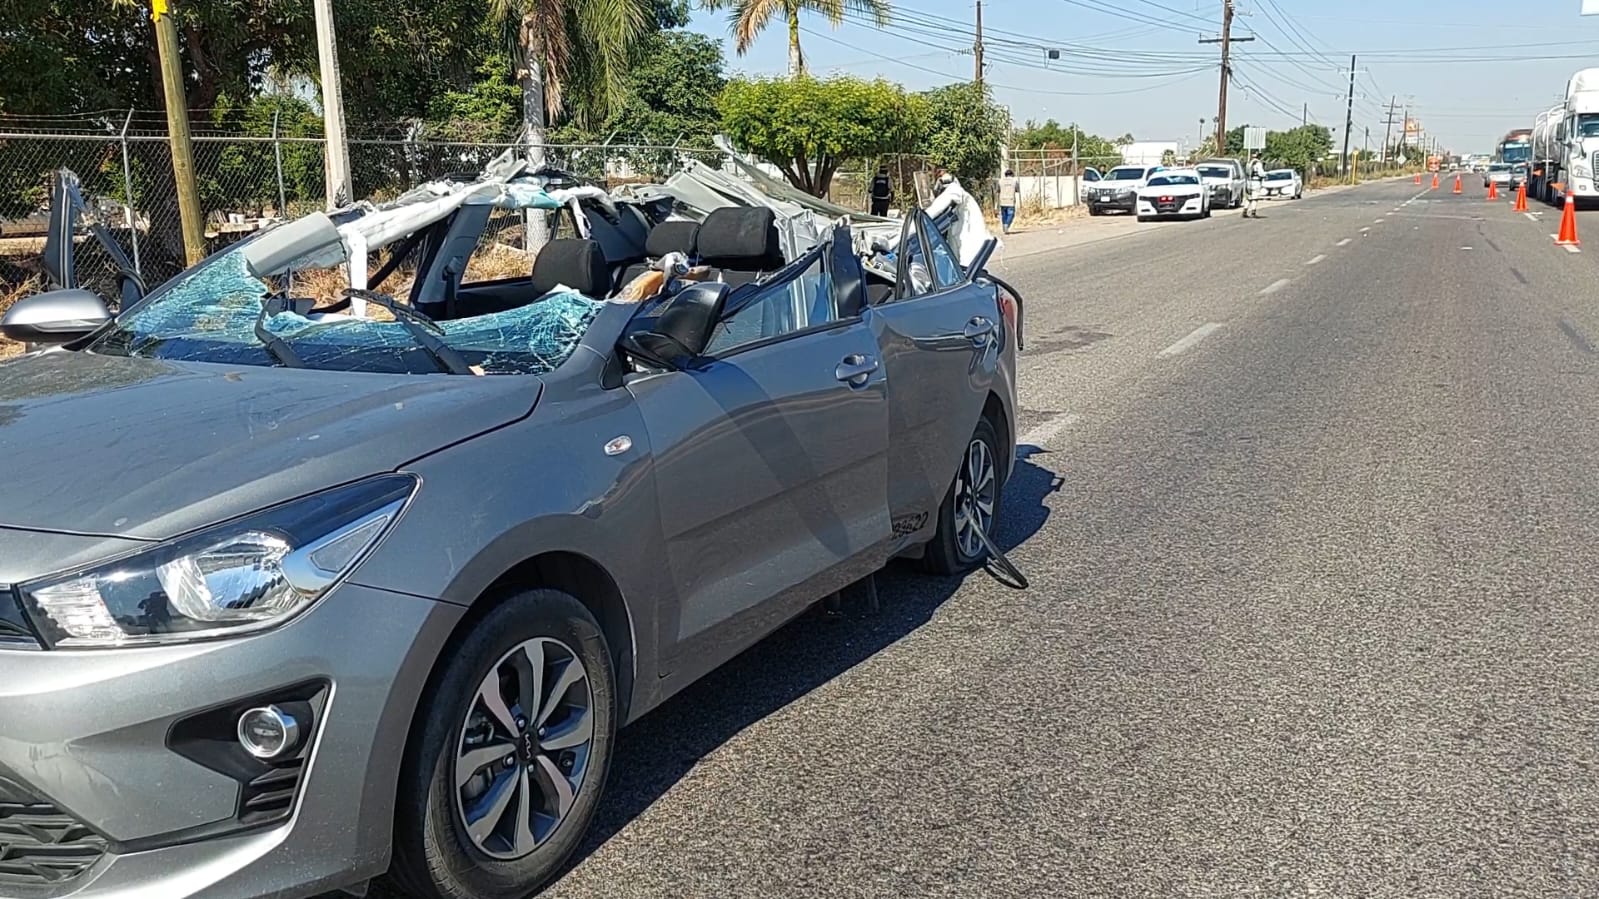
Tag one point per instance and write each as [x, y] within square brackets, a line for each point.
[268, 732]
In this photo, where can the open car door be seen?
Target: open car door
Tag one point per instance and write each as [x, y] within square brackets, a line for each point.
[66, 206]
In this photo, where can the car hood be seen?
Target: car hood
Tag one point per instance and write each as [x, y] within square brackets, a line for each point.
[148, 449]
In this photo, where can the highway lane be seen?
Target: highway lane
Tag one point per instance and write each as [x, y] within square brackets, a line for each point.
[1309, 511]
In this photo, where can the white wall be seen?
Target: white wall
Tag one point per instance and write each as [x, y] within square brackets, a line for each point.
[1055, 191]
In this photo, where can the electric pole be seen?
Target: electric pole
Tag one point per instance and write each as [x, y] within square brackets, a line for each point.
[1388, 130]
[977, 45]
[337, 163]
[1349, 114]
[1304, 116]
[190, 219]
[1226, 40]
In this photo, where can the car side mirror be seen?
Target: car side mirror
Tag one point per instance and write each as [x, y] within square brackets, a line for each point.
[54, 317]
[683, 328]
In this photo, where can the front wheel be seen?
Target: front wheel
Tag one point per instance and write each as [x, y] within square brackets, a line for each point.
[509, 753]
[969, 506]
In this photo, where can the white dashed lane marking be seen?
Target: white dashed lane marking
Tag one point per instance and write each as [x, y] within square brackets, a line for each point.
[1315, 259]
[1194, 337]
[1274, 286]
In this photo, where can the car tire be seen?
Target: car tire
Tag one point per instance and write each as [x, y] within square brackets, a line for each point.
[435, 855]
[949, 552]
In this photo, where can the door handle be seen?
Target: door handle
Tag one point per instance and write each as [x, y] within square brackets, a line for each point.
[979, 331]
[856, 369]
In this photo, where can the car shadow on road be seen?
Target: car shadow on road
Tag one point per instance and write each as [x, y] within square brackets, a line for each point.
[663, 746]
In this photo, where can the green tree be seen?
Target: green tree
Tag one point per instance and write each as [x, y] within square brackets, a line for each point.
[807, 127]
[577, 47]
[747, 18]
[1298, 148]
[964, 130]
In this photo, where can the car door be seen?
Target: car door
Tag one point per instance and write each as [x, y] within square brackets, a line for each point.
[1089, 177]
[939, 337]
[770, 458]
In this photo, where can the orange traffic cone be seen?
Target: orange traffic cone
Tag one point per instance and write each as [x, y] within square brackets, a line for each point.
[1457, 185]
[1418, 177]
[1434, 180]
[1568, 223]
[1493, 190]
[1521, 198]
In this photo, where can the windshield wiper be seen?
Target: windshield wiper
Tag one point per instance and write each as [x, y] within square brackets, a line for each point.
[275, 345]
[425, 330]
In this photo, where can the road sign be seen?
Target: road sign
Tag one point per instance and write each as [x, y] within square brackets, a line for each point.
[1255, 135]
[1401, 159]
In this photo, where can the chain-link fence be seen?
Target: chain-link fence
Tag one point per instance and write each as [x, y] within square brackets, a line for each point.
[245, 182]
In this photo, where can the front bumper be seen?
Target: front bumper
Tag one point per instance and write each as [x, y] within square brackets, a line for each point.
[1286, 190]
[122, 745]
[1124, 203]
[1175, 207]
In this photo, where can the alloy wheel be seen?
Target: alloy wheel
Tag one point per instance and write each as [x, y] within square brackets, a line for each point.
[524, 748]
[977, 485]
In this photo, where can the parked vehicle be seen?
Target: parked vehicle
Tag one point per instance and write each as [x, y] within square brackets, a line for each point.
[1174, 193]
[1226, 180]
[1283, 184]
[1565, 144]
[323, 597]
[1118, 190]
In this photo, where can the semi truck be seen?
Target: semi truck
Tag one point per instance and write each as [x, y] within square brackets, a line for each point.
[1566, 144]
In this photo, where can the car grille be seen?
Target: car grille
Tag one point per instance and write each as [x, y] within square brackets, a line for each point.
[40, 846]
[270, 796]
[14, 630]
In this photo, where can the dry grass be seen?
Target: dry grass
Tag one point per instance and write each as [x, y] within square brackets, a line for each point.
[9, 296]
[497, 260]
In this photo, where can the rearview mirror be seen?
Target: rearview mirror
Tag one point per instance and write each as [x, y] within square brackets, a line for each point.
[54, 317]
[683, 328]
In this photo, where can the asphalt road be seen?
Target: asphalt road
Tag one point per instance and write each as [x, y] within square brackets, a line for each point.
[1309, 509]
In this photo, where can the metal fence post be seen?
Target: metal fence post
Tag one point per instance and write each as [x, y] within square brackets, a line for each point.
[127, 196]
[277, 155]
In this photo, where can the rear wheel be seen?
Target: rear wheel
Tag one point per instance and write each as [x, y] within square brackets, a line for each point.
[969, 506]
[509, 754]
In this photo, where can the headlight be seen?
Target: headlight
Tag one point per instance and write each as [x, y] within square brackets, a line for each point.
[242, 576]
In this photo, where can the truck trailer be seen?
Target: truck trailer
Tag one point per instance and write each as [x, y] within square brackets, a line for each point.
[1566, 144]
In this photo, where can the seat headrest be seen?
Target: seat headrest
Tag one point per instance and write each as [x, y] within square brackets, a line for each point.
[578, 264]
[741, 238]
[672, 237]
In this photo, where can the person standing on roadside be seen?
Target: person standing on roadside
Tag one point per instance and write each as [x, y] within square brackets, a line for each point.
[1254, 186]
[1008, 187]
[882, 193]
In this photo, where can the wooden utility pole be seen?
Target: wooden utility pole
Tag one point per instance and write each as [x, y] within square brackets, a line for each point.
[977, 45]
[1226, 40]
[336, 166]
[1388, 129]
[189, 215]
[1349, 114]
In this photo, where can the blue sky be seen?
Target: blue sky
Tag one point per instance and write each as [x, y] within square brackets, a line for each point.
[1470, 69]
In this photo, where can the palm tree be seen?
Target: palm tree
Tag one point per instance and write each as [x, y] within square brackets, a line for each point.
[563, 45]
[749, 17]
[569, 47]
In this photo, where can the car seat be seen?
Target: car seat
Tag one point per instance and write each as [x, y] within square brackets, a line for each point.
[664, 238]
[740, 241]
[573, 262]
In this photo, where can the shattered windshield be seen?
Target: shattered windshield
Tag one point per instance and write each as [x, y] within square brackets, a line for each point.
[209, 313]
